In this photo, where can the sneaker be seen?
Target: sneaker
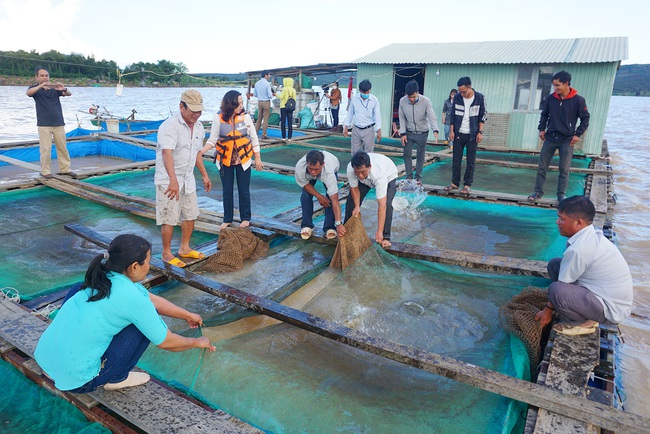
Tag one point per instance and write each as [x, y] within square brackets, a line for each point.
[134, 379]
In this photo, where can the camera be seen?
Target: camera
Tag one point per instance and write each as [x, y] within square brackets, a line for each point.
[325, 88]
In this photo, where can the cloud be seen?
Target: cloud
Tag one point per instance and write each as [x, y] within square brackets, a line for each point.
[40, 25]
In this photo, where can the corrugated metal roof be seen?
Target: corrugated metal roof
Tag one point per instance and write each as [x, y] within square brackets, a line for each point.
[577, 50]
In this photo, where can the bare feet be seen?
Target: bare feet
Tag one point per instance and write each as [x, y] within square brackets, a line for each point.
[386, 244]
[223, 226]
[245, 224]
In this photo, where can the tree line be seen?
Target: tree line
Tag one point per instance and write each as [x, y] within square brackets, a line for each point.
[73, 66]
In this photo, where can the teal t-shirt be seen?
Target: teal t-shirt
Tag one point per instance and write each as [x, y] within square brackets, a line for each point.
[70, 349]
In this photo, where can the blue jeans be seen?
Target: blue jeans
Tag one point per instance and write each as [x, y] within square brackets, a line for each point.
[286, 119]
[363, 191]
[464, 141]
[447, 129]
[545, 157]
[120, 357]
[227, 174]
[307, 204]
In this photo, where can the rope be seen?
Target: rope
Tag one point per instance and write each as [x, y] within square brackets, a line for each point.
[199, 364]
[10, 293]
[46, 311]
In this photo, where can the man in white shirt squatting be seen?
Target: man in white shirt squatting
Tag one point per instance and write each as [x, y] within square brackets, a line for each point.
[592, 283]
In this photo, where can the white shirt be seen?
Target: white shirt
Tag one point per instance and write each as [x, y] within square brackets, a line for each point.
[185, 144]
[382, 171]
[592, 261]
[327, 176]
[464, 126]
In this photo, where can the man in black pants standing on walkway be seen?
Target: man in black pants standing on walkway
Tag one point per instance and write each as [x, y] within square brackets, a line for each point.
[466, 131]
[557, 128]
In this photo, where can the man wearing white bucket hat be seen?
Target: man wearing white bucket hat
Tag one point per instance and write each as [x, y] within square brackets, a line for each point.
[180, 140]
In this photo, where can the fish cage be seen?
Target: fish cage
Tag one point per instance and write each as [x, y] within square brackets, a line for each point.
[280, 378]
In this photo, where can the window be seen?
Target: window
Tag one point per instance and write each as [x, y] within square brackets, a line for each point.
[534, 85]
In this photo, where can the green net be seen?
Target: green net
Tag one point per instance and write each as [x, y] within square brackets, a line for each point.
[274, 377]
[28, 408]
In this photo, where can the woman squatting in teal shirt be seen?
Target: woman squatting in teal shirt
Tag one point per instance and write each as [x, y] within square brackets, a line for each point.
[106, 323]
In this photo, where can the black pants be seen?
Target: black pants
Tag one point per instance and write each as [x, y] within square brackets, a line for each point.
[335, 116]
[286, 117]
[461, 142]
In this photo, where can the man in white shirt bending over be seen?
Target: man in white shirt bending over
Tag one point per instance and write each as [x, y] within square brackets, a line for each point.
[366, 171]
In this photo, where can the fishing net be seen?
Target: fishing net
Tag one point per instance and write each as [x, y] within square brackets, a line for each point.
[518, 318]
[235, 245]
[352, 245]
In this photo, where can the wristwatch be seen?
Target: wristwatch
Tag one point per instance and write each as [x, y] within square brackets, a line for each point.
[338, 223]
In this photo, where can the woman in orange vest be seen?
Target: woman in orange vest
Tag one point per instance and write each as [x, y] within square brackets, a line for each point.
[235, 139]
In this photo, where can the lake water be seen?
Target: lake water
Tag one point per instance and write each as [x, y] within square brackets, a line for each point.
[627, 145]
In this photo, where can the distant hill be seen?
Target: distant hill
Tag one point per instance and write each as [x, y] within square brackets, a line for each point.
[632, 80]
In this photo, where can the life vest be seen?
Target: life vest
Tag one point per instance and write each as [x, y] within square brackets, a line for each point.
[233, 137]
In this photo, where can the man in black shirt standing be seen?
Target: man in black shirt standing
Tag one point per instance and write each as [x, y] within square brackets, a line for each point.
[558, 128]
[49, 118]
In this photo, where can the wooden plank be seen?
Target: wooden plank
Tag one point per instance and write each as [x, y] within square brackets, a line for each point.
[20, 327]
[485, 379]
[572, 360]
[20, 163]
[599, 187]
[499, 264]
[157, 409]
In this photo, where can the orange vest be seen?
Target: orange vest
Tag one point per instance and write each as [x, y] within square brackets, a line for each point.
[233, 137]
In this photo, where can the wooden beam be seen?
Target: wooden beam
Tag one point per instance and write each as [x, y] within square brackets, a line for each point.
[481, 378]
[499, 264]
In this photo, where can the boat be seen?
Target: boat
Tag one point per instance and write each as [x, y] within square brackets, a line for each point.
[116, 124]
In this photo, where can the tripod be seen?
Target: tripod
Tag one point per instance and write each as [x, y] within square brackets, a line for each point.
[327, 115]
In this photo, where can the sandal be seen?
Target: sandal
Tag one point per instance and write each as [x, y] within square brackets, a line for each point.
[465, 189]
[535, 196]
[571, 330]
[305, 233]
[450, 187]
[330, 234]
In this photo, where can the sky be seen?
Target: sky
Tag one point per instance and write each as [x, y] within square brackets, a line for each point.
[238, 36]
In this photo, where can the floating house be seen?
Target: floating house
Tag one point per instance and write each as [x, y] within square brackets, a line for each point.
[515, 77]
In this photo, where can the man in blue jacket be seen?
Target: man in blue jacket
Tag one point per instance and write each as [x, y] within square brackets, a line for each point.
[558, 128]
[466, 131]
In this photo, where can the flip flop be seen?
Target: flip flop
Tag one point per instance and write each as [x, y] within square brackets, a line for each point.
[465, 190]
[176, 262]
[193, 255]
[569, 330]
[450, 187]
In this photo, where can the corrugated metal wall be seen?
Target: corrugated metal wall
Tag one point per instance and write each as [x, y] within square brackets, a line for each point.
[593, 81]
[381, 77]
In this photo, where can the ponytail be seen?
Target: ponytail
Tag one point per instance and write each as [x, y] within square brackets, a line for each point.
[123, 251]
